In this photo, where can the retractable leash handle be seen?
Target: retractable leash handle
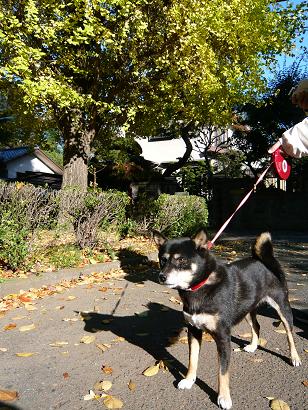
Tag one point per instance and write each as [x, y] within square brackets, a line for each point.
[282, 167]
[283, 170]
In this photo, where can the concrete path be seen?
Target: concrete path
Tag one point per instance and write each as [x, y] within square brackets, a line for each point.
[136, 322]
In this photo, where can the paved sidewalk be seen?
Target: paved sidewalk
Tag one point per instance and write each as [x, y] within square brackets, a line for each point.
[136, 321]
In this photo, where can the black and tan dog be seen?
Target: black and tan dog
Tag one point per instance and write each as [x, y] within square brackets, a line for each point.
[217, 296]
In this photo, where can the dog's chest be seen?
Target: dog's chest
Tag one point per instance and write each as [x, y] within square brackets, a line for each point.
[202, 320]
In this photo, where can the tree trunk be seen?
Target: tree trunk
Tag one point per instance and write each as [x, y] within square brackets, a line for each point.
[76, 155]
[75, 170]
[171, 168]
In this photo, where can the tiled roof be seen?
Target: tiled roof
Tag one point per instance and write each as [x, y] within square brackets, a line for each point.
[12, 153]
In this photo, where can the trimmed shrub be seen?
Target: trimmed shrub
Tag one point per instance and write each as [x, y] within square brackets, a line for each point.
[93, 210]
[174, 215]
[23, 208]
[13, 240]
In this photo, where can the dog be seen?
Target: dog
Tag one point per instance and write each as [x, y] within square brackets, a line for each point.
[217, 296]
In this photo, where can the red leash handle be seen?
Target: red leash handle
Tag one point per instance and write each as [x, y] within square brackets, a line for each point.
[211, 243]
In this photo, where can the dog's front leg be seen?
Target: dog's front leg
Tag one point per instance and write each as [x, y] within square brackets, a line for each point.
[223, 342]
[194, 342]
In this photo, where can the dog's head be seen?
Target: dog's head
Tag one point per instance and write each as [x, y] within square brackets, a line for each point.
[183, 261]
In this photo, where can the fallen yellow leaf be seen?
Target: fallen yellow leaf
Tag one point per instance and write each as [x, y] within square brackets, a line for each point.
[71, 297]
[113, 403]
[27, 328]
[103, 346]
[262, 342]
[104, 385]
[279, 405]
[132, 386]
[90, 396]
[107, 369]
[151, 371]
[24, 354]
[58, 344]
[87, 339]
[10, 326]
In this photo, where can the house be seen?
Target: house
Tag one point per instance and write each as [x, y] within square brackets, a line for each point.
[29, 165]
[163, 150]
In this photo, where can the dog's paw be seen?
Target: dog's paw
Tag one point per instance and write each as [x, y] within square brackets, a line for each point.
[186, 383]
[224, 402]
[250, 348]
[296, 361]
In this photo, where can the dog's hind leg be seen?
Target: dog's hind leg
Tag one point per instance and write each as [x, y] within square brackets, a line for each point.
[255, 331]
[283, 308]
[194, 342]
[223, 342]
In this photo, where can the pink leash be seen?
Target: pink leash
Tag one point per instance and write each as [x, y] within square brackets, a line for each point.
[211, 243]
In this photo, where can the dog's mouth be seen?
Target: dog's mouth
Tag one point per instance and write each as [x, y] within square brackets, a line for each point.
[169, 283]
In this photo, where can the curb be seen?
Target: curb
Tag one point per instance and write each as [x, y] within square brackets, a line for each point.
[52, 278]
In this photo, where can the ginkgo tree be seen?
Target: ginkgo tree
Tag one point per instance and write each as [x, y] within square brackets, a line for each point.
[98, 68]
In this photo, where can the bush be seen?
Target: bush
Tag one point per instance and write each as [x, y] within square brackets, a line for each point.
[13, 240]
[89, 211]
[174, 215]
[24, 208]
[180, 215]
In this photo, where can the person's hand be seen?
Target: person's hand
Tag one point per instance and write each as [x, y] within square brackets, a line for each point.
[274, 147]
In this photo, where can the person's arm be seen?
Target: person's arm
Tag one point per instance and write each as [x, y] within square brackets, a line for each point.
[295, 140]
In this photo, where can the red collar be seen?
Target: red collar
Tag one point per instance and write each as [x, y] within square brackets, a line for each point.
[198, 286]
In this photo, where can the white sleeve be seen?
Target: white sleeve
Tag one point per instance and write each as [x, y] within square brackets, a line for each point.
[295, 140]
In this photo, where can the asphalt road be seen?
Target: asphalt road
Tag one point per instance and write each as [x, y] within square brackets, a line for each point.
[139, 322]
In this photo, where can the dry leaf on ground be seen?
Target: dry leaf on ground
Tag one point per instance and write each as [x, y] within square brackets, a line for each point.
[87, 339]
[131, 385]
[279, 405]
[24, 354]
[175, 300]
[71, 297]
[90, 396]
[262, 342]
[10, 326]
[151, 371]
[66, 375]
[58, 344]
[104, 385]
[113, 403]
[107, 369]
[305, 383]
[8, 395]
[103, 346]
[27, 328]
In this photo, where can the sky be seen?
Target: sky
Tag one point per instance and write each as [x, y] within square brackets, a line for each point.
[286, 61]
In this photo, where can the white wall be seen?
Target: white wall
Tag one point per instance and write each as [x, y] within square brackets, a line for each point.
[164, 151]
[26, 163]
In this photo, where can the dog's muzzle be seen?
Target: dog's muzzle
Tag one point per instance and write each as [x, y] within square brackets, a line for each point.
[162, 278]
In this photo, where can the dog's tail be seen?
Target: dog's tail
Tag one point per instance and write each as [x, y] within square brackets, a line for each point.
[262, 249]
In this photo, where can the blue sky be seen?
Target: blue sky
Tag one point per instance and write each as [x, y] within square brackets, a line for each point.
[286, 61]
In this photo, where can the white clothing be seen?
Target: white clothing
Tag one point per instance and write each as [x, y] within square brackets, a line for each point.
[295, 140]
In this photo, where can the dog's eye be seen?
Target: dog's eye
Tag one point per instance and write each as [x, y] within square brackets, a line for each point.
[181, 259]
[163, 260]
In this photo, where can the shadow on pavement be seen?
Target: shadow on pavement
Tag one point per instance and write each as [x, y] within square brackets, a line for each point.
[150, 330]
[6, 406]
[298, 319]
[137, 267]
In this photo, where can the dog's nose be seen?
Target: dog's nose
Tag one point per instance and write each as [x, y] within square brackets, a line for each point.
[162, 277]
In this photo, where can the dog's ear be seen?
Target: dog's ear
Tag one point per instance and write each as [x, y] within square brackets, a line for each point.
[159, 238]
[200, 239]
